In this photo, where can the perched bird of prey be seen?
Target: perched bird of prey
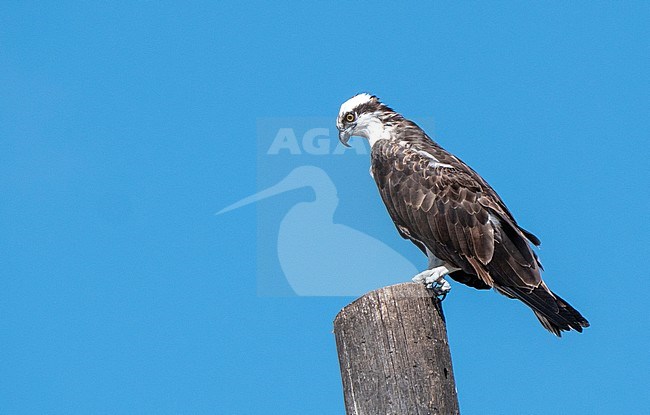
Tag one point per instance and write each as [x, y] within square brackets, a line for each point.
[445, 208]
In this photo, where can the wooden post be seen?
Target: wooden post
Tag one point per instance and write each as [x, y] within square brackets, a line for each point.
[394, 354]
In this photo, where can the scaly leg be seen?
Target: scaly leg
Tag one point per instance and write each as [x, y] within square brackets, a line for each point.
[434, 276]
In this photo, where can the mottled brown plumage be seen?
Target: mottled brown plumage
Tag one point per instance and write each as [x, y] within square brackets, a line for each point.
[441, 204]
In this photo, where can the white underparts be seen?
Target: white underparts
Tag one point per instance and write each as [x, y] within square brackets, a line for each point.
[371, 127]
[434, 261]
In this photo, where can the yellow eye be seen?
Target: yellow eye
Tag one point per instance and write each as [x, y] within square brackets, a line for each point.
[349, 117]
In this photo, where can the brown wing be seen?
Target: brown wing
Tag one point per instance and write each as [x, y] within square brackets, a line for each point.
[440, 203]
[438, 206]
[412, 133]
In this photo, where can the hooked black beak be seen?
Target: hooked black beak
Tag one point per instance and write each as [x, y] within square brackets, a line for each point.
[344, 137]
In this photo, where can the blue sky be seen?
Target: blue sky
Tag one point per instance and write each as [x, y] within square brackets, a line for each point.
[125, 126]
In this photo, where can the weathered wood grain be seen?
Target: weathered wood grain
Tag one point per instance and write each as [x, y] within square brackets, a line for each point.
[394, 354]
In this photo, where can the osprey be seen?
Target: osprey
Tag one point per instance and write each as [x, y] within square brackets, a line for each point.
[445, 208]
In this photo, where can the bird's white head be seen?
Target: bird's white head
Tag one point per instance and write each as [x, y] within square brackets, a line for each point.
[362, 115]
